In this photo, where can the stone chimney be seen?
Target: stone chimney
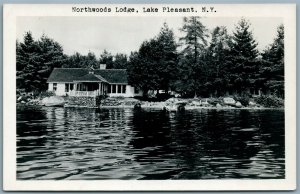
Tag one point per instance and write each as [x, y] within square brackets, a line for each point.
[102, 66]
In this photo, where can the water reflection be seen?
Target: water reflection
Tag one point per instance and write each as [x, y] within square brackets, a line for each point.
[58, 143]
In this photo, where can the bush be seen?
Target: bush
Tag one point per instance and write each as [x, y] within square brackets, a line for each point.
[270, 101]
[45, 94]
[244, 99]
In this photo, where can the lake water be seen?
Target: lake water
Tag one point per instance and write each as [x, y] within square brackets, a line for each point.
[116, 143]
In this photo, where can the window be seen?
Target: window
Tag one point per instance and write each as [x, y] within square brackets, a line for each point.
[54, 86]
[124, 89]
[136, 91]
[119, 88]
[66, 87]
[71, 86]
[109, 89]
[114, 89]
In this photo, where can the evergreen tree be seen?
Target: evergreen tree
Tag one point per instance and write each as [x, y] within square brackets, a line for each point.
[51, 56]
[217, 52]
[120, 61]
[106, 58]
[28, 63]
[192, 65]
[75, 61]
[168, 57]
[35, 62]
[272, 71]
[90, 61]
[242, 59]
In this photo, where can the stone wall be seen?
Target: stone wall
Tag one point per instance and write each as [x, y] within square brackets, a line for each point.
[81, 101]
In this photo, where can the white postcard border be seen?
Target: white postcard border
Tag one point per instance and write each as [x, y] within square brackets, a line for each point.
[11, 12]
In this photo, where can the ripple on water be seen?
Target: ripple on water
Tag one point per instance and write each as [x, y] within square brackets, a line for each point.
[79, 144]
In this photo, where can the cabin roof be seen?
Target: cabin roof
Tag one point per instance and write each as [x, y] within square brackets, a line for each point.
[90, 78]
[81, 74]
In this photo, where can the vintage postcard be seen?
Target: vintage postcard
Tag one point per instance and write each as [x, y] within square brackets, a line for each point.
[158, 97]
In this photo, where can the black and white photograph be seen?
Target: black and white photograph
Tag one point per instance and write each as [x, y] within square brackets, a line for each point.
[185, 95]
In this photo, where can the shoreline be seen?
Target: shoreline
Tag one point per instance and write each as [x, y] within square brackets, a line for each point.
[171, 104]
[160, 108]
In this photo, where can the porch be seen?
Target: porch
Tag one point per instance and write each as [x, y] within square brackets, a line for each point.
[89, 89]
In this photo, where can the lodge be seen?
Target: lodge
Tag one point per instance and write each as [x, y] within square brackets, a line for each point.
[91, 82]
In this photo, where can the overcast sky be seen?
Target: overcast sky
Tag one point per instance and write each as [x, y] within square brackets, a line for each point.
[125, 34]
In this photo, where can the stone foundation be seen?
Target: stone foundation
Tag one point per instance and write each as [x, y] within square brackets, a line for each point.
[81, 101]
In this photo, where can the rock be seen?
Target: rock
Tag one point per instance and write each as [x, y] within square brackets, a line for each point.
[252, 104]
[219, 105]
[53, 101]
[229, 101]
[238, 104]
[204, 102]
[19, 99]
[196, 103]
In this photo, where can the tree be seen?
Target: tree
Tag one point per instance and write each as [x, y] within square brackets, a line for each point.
[35, 61]
[168, 57]
[242, 59]
[154, 65]
[75, 61]
[193, 70]
[120, 61]
[272, 69]
[90, 60]
[217, 52]
[142, 68]
[28, 61]
[195, 37]
[106, 58]
[51, 56]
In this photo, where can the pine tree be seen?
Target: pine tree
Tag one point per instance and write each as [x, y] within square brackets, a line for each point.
[35, 62]
[273, 65]
[28, 63]
[168, 57]
[52, 56]
[106, 58]
[192, 65]
[75, 61]
[242, 60]
[217, 52]
[120, 61]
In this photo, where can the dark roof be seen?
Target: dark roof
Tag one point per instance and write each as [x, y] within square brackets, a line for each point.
[90, 78]
[76, 74]
[113, 75]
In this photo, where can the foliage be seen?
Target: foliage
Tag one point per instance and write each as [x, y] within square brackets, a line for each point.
[106, 58]
[196, 65]
[36, 60]
[243, 99]
[192, 67]
[242, 59]
[45, 94]
[272, 70]
[270, 101]
[120, 61]
[217, 66]
[153, 67]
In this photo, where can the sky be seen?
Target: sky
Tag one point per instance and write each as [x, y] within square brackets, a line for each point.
[125, 34]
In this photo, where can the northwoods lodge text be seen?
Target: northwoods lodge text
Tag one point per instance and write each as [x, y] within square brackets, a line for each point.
[144, 9]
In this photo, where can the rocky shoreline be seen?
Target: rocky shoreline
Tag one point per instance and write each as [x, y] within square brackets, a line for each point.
[170, 104]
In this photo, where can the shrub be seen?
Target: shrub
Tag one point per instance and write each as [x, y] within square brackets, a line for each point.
[244, 99]
[270, 101]
[45, 94]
